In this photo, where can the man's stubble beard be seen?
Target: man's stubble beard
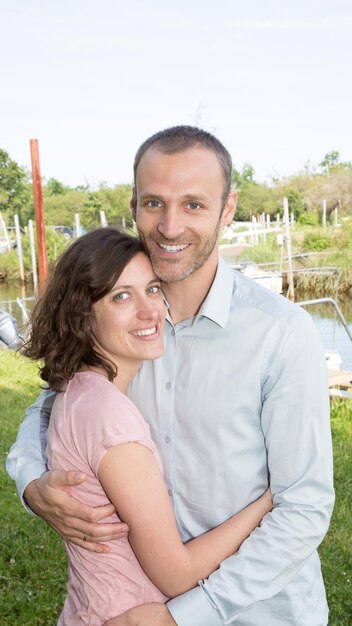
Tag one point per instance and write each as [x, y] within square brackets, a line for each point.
[197, 260]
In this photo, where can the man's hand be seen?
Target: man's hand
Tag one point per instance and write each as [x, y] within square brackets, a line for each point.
[50, 498]
[152, 614]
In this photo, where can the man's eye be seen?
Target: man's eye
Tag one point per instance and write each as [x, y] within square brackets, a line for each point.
[153, 204]
[193, 205]
[119, 297]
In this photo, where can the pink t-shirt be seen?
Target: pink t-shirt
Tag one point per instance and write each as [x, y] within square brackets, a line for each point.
[88, 418]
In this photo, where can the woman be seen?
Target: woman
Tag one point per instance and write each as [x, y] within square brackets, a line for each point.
[100, 317]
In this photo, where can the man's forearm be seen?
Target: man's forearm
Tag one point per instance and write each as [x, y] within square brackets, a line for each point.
[26, 460]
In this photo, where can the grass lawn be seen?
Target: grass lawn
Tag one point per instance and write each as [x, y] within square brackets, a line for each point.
[32, 558]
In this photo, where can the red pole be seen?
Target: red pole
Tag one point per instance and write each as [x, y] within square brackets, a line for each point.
[39, 214]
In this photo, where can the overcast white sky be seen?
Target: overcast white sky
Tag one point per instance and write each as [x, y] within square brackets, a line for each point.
[91, 79]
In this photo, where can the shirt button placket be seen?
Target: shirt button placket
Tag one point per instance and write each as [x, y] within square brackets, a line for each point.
[167, 406]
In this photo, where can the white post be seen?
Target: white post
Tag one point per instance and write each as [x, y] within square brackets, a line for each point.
[123, 223]
[324, 213]
[290, 293]
[33, 255]
[292, 218]
[262, 221]
[5, 233]
[255, 234]
[19, 248]
[268, 221]
[103, 219]
[77, 225]
[336, 216]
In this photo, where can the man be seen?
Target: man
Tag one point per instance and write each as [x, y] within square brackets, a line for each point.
[239, 400]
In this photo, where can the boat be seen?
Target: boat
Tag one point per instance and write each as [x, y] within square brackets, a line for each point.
[9, 335]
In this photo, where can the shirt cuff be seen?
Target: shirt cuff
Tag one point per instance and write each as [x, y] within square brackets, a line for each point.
[193, 608]
[32, 471]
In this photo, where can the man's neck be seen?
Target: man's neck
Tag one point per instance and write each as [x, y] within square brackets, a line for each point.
[187, 296]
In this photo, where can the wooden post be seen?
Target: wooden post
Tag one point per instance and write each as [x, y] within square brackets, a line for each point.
[33, 255]
[103, 219]
[39, 214]
[324, 213]
[5, 233]
[77, 228]
[19, 249]
[291, 291]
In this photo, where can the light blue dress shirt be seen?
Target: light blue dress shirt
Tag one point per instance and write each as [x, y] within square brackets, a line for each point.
[239, 400]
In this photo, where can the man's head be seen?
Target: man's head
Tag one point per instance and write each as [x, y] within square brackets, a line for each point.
[181, 200]
[181, 138]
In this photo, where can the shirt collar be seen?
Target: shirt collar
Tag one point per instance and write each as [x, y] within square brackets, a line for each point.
[216, 305]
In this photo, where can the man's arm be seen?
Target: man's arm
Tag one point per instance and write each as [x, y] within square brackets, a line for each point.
[47, 494]
[296, 427]
[26, 460]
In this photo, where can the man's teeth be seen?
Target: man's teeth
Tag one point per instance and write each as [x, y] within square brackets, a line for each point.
[173, 248]
[143, 333]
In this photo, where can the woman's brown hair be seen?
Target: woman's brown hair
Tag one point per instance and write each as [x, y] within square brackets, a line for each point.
[61, 332]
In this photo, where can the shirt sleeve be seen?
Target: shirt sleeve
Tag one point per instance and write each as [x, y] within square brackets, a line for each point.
[26, 460]
[110, 419]
[295, 422]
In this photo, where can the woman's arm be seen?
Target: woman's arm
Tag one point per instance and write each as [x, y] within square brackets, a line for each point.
[133, 482]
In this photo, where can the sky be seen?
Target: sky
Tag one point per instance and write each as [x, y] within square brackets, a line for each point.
[92, 79]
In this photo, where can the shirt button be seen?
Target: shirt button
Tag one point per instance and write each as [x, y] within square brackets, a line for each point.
[168, 385]
[167, 439]
[169, 492]
[173, 331]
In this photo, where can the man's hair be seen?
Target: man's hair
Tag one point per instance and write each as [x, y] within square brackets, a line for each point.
[181, 138]
[61, 323]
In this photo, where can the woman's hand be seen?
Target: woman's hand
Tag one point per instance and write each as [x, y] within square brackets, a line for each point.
[50, 498]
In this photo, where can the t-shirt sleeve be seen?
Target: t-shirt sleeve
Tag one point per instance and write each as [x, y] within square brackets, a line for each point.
[103, 417]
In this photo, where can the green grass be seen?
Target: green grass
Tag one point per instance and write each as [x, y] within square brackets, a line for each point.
[32, 558]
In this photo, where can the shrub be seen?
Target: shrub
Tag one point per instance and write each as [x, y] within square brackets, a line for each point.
[314, 241]
[309, 218]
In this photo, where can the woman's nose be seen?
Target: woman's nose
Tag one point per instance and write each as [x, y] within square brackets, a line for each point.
[147, 310]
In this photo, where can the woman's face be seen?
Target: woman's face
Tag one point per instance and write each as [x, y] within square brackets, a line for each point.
[128, 322]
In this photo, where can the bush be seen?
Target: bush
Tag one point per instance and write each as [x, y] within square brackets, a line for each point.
[308, 218]
[314, 241]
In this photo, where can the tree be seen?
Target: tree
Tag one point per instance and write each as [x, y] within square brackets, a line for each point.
[55, 188]
[330, 160]
[14, 188]
[242, 178]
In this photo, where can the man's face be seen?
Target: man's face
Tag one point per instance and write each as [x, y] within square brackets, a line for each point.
[178, 210]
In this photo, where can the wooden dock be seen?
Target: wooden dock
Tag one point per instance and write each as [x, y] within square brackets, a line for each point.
[340, 383]
[340, 378]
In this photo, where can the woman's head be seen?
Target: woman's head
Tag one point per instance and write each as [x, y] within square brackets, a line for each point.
[64, 323]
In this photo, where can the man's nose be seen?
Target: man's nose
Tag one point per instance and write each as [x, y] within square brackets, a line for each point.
[171, 223]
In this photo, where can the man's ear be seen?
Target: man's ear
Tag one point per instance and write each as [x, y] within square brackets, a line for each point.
[229, 209]
[133, 204]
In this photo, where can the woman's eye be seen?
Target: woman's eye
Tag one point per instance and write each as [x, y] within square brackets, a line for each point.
[119, 297]
[154, 289]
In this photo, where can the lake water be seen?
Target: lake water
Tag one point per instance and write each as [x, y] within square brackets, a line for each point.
[333, 334]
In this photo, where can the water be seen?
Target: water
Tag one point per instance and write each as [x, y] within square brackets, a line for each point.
[332, 332]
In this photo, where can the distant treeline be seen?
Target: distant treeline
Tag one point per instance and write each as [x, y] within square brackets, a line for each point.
[330, 180]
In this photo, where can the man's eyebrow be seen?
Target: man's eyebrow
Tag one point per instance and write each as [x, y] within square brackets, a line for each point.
[186, 196]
